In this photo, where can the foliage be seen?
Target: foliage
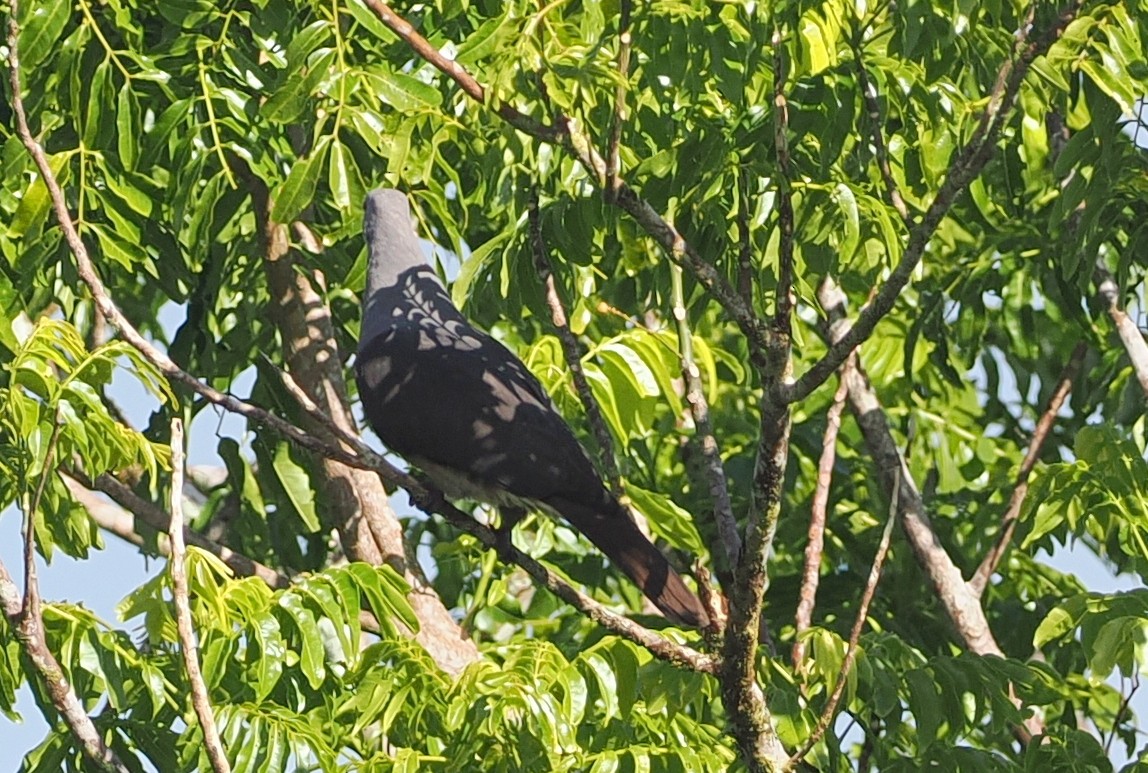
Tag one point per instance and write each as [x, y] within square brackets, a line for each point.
[161, 121]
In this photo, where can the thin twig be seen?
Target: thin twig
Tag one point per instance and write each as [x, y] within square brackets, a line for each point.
[31, 583]
[1125, 701]
[827, 715]
[807, 597]
[613, 160]
[458, 73]
[744, 242]
[728, 536]
[179, 591]
[783, 313]
[571, 349]
[1130, 334]
[980, 579]
[966, 165]
[873, 107]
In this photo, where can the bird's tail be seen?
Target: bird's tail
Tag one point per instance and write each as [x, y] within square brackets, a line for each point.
[624, 543]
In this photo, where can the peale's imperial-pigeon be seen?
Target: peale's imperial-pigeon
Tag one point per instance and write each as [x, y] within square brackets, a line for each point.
[461, 407]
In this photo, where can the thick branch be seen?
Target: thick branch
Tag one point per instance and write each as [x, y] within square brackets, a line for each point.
[30, 633]
[1130, 334]
[966, 165]
[980, 579]
[961, 605]
[741, 694]
[179, 591]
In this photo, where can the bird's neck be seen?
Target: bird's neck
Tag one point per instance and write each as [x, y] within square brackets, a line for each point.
[415, 294]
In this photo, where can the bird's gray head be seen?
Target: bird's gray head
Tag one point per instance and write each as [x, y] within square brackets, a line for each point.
[392, 244]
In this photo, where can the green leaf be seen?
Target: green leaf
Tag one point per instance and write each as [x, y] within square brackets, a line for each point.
[297, 191]
[127, 126]
[297, 486]
[667, 520]
[41, 25]
[365, 16]
[36, 201]
[401, 91]
[473, 266]
[925, 703]
[485, 40]
[344, 178]
[310, 647]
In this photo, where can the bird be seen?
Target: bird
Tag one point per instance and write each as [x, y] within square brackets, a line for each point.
[467, 412]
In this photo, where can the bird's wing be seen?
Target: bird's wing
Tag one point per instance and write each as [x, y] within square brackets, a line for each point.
[455, 397]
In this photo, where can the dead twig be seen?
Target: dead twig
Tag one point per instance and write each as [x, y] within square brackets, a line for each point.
[980, 579]
[179, 591]
[830, 710]
[811, 575]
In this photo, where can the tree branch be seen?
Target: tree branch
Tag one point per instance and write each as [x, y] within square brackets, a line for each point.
[456, 72]
[811, 575]
[613, 160]
[744, 244]
[741, 694]
[30, 633]
[881, 151]
[179, 591]
[966, 165]
[728, 536]
[1130, 334]
[31, 583]
[571, 350]
[785, 301]
[830, 711]
[961, 605]
[980, 579]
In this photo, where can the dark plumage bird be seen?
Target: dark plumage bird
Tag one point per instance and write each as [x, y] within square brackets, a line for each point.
[462, 408]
